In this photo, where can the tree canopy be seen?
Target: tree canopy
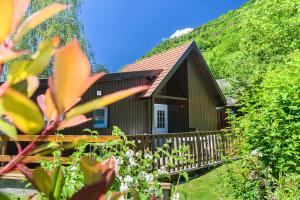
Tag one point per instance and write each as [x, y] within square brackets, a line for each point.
[66, 25]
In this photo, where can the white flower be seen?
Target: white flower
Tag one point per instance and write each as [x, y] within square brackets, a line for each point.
[153, 191]
[123, 187]
[120, 161]
[132, 162]
[162, 171]
[129, 154]
[142, 175]
[138, 154]
[149, 177]
[145, 176]
[256, 153]
[176, 196]
[148, 156]
[128, 179]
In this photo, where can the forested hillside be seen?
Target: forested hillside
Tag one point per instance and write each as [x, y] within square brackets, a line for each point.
[243, 44]
[256, 48]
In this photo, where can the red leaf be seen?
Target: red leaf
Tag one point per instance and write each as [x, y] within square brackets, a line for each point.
[98, 190]
[26, 171]
[70, 75]
[41, 100]
[73, 121]
[3, 88]
[7, 54]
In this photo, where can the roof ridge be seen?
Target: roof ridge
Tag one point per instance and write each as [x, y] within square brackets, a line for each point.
[158, 54]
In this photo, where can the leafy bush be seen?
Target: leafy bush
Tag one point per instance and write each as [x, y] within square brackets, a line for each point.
[254, 180]
[268, 129]
[270, 116]
[136, 173]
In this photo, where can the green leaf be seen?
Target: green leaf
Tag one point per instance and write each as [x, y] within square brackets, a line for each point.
[22, 69]
[2, 111]
[57, 180]
[8, 129]
[28, 86]
[42, 181]
[23, 112]
[185, 175]
[39, 17]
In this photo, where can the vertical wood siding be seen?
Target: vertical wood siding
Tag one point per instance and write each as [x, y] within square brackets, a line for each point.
[177, 86]
[130, 114]
[202, 106]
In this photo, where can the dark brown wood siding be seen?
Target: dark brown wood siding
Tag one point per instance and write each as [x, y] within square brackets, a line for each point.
[177, 84]
[130, 114]
[178, 120]
[202, 106]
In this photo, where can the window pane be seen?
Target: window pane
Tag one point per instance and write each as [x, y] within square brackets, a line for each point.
[160, 119]
[100, 118]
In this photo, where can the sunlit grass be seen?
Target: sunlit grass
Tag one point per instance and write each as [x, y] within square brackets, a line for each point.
[210, 186]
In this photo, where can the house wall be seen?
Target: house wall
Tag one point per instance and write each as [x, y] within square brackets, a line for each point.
[177, 109]
[178, 120]
[130, 114]
[177, 84]
[202, 106]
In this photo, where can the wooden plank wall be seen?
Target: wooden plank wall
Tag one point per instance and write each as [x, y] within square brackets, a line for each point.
[202, 106]
[130, 114]
[177, 86]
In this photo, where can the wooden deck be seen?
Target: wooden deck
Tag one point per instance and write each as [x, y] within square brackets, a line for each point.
[205, 148]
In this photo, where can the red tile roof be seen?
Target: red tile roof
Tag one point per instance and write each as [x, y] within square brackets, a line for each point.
[165, 61]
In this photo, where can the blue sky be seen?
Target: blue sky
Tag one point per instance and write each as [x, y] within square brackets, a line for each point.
[121, 31]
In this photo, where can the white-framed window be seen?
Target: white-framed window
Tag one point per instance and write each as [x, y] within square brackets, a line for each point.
[101, 118]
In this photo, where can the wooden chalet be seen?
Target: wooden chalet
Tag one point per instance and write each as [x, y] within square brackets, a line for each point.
[184, 96]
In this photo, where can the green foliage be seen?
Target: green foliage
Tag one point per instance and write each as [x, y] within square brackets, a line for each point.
[241, 45]
[136, 174]
[252, 179]
[256, 48]
[267, 129]
[270, 118]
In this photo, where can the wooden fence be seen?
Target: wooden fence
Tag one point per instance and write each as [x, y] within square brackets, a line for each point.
[205, 148]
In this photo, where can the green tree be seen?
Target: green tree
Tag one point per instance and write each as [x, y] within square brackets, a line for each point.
[66, 25]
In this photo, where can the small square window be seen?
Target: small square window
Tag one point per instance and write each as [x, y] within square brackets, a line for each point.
[101, 118]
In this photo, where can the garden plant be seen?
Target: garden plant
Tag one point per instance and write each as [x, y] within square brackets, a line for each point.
[60, 104]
